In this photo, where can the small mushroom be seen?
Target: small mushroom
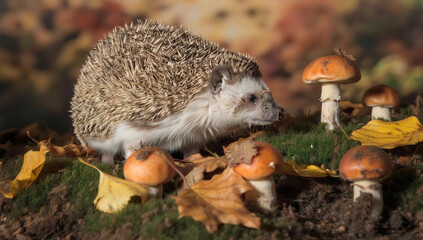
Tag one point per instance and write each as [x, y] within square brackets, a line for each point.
[259, 175]
[149, 166]
[367, 166]
[381, 99]
[331, 71]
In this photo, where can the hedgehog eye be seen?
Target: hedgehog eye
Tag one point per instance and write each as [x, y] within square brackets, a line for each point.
[252, 98]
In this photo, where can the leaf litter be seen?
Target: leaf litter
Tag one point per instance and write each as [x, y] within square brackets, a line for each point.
[217, 201]
[209, 165]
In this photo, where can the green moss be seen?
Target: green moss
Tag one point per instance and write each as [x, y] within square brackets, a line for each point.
[316, 146]
[403, 189]
[11, 168]
[83, 183]
[36, 196]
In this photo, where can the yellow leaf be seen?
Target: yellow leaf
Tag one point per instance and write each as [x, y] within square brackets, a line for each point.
[217, 201]
[303, 170]
[389, 135]
[114, 193]
[32, 165]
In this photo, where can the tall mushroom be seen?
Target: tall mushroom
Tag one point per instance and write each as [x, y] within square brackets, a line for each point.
[367, 166]
[381, 99]
[259, 175]
[331, 71]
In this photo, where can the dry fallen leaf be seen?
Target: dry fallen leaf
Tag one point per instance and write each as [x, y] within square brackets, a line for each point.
[209, 163]
[241, 151]
[196, 174]
[114, 193]
[32, 165]
[217, 201]
[196, 165]
[71, 150]
[344, 53]
[303, 170]
[389, 135]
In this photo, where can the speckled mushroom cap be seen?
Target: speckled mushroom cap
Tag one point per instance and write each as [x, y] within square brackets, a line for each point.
[365, 163]
[381, 95]
[331, 69]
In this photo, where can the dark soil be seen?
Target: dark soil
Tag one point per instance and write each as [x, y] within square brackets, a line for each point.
[324, 209]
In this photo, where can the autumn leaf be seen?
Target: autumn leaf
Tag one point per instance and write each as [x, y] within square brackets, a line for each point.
[389, 135]
[217, 201]
[241, 151]
[209, 163]
[303, 170]
[344, 53]
[114, 193]
[196, 165]
[70, 150]
[31, 167]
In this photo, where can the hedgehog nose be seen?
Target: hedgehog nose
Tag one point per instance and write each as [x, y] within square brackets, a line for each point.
[280, 113]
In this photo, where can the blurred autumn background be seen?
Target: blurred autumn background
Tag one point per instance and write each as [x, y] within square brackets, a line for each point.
[44, 43]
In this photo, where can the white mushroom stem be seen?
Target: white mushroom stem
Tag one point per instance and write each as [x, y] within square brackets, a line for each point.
[264, 196]
[381, 112]
[375, 189]
[155, 191]
[330, 105]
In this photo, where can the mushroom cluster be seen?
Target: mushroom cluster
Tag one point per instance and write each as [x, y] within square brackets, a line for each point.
[367, 166]
[333, 70]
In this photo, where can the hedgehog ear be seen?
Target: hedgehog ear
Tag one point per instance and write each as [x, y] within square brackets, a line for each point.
[220, 75]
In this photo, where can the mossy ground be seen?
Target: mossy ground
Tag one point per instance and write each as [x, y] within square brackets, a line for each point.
[76, 185]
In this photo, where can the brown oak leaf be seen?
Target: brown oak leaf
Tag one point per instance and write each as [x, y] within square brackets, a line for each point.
[217, 201]
[196, 165]
[241, 151]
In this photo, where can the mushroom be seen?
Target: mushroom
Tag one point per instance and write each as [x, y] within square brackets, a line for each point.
[381, 99]
[331, 71]
[367, 166]
[149, 166]
[259, 175]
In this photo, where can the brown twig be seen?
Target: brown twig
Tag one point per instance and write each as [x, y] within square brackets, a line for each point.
[172, 164]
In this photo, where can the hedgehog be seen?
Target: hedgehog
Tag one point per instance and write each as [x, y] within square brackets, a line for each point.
[164, 86]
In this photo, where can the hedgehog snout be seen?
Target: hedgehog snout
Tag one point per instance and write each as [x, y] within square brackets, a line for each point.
[269, 105]
[279, 113]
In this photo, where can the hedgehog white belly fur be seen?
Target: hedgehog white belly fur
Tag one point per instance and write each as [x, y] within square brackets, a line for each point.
[161, 85]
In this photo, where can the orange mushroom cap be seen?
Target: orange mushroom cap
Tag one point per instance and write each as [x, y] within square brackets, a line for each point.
[365, 163]
[148, 166]
[263, 164]
[381, 95]
[331, 69]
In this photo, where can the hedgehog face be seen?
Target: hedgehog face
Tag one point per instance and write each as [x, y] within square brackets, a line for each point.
[245, 97]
